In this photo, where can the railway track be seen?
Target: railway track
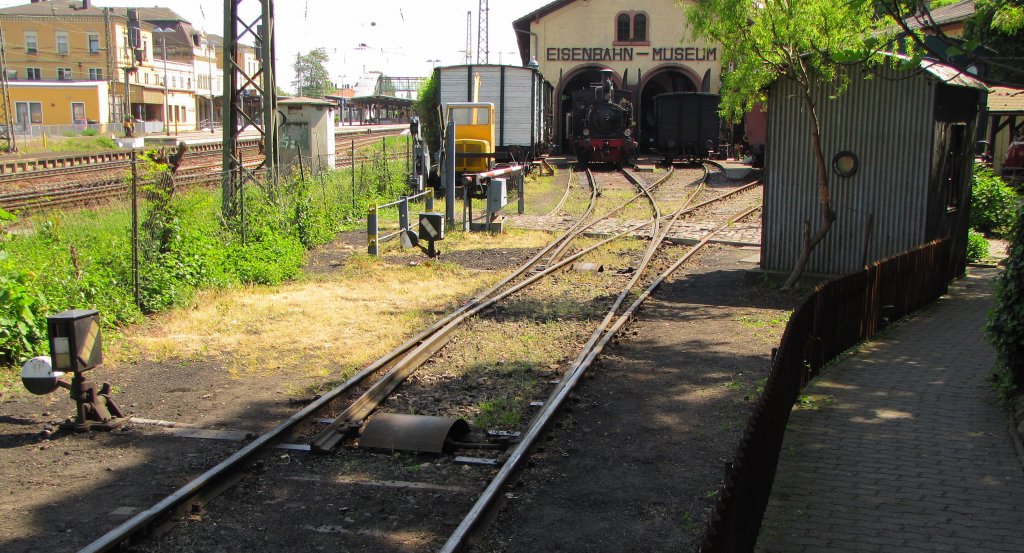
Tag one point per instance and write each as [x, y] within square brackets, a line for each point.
[349, 405]
[76, 182]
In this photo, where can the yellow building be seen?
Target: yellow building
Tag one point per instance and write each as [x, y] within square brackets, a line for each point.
[76, 104]
[647, 44]
[171, 83]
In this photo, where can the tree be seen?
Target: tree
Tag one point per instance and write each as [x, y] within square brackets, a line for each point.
[311, 76]
[807, 41]
[994, 36]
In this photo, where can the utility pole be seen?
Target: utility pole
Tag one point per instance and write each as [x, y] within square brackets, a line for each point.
[134, 52]
[209, 83]
[7, 142]
[236, 81]
[469, 37]
[483, 49]
[163, 46]
[111, 75]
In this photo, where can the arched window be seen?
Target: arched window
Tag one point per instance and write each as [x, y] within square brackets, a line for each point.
[622, 24]
[639, 28]
[631, 27]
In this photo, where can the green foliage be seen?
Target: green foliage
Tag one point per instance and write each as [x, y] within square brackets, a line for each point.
[1006, 319]
[425, 107]
[992, 202]
[311, 76]
[82, 259]
[808, 41]
[977, 246]
[999, 26]
[1005, 16]
[90, 132]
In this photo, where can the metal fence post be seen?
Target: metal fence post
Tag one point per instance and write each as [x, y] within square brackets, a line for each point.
[135, 229]
[430, 199]
[521, 188]
[449, 175]
[353, 161]
[403, 213]
[372, 232]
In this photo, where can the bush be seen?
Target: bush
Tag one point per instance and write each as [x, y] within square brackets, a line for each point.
[1006, 320]
[977, 246]
[992, 202]
[90, 132]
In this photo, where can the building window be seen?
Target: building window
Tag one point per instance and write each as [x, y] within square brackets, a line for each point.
[62, 43]
[28, 112]
[95, 74]
[631, 27]
[145, 50]
[31, 42]
[33, 74]
[78, 113]
[94, 44]
[639, 28]
[12, 74]
[146, 76]
[63, 73]
[174, 81]
[622, 25]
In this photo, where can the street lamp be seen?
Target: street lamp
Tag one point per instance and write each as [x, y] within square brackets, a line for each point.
[163, 46]
[433, 63]
[209, 66]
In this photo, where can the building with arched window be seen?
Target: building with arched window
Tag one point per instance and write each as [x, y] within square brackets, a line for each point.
[647, 45]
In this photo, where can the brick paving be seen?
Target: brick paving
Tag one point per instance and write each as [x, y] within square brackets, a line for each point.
[903, 446]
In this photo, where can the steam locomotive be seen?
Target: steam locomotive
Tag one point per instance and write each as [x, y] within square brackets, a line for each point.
[602, 124]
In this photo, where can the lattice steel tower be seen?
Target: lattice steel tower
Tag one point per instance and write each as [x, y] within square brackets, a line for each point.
[7, 143]
[241, 83]
[483, 50]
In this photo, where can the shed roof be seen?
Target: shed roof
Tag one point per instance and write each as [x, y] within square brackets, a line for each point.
[305, 101]
[951, 75]
[1003, 99]
[953, 13]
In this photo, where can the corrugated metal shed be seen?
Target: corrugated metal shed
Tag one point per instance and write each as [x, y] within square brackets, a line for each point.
[888, 121]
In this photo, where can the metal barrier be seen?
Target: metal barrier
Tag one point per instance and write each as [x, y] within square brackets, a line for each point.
[373, 237]
[840, 314]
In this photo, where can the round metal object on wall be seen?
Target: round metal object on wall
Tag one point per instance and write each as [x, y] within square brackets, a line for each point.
[845, 164]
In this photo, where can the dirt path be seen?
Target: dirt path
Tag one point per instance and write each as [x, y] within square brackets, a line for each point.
[635, 463]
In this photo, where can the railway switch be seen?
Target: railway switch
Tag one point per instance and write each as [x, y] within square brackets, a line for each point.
[76, 346]
[431, 230]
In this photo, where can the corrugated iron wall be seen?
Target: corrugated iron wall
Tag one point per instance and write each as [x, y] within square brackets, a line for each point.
[888, 124]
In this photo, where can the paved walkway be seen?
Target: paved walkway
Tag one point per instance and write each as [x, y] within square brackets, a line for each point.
[903, 447]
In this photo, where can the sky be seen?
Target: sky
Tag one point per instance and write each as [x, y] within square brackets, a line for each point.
[401, 36]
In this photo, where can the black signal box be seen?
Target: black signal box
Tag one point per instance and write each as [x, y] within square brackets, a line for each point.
[75, 341]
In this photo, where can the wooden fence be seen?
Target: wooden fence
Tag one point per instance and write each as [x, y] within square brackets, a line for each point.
[838, 315]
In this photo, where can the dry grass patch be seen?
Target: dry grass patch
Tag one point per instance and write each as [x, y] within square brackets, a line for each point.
[313, 327]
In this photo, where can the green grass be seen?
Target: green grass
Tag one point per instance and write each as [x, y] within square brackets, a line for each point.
[82, 259]
[65, 144]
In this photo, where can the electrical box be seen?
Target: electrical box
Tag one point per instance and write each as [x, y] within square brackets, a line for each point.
[307, 134]
[75, 341]
[497, 195]
[431, 226]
